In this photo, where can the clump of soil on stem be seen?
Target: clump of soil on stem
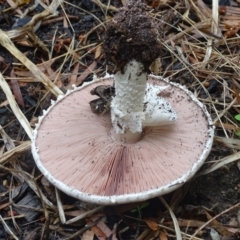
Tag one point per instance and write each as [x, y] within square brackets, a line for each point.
[131, 35]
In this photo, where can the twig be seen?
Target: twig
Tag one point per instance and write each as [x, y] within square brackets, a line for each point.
[7, 156]
[85, 12]
[7, 43]
[8, 230]
[87, 227]
[175, 222]
[30, 181]
[16, 110]
[7, 140]
[209, 221]
[220, 163]
[103, 6]
[84, 215]
[11, 210]
[35, 21]
[60, 207]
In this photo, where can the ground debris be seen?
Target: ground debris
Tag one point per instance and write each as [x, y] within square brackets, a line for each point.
[63, 42]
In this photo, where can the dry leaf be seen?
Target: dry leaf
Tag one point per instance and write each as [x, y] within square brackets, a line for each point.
[156, 3]
[2, 150]
[65, 23]
[231, 32]
[152, 224]
[4, 205]
[73, 77]
[218, 226]
[5, 103]
[74, 213]
[226, 126]
[33, 121]
[156, 66]
[226, 93]
[98, 52]
[56, 221]
[20, 2]
[97, 231]
[14, 5]
[88, 235]
[193, 59]
[2, 59]
[49, 189]
[16, 90]
[236, 94]
[52, 75]
[144, 234]
[104, 228]
[186, 223]
[163, 236]
[25, 43]
[88, 71]
[123, 2]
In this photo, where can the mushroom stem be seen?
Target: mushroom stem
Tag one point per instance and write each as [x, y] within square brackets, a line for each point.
[136, 104]
[131, 44]
[127, 105]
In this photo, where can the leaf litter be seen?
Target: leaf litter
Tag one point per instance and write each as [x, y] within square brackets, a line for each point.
[49, 45]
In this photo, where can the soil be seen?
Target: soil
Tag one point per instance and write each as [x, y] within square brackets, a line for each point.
[131, 35]
[212, 193]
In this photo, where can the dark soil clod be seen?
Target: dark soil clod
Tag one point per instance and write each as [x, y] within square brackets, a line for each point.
[131, 35]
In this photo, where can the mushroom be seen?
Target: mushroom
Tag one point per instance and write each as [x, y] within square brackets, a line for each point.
[155, 138]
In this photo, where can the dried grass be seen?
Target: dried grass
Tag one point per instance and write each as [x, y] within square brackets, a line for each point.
[206, 47]
[15, 108]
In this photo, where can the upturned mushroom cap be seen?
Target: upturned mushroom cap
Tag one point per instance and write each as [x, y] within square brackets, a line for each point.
[74, 149]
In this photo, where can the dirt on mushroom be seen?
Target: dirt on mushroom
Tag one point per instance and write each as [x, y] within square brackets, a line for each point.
[131, 35]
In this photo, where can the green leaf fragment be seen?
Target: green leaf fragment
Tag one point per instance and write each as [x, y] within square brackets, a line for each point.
[237, 117]
[237, 133]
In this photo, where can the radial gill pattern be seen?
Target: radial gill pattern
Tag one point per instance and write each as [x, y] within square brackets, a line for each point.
[75, 146]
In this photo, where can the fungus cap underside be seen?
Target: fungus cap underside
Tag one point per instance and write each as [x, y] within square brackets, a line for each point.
[74, 149]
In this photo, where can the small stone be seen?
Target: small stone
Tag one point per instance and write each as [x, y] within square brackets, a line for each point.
[5, 183]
